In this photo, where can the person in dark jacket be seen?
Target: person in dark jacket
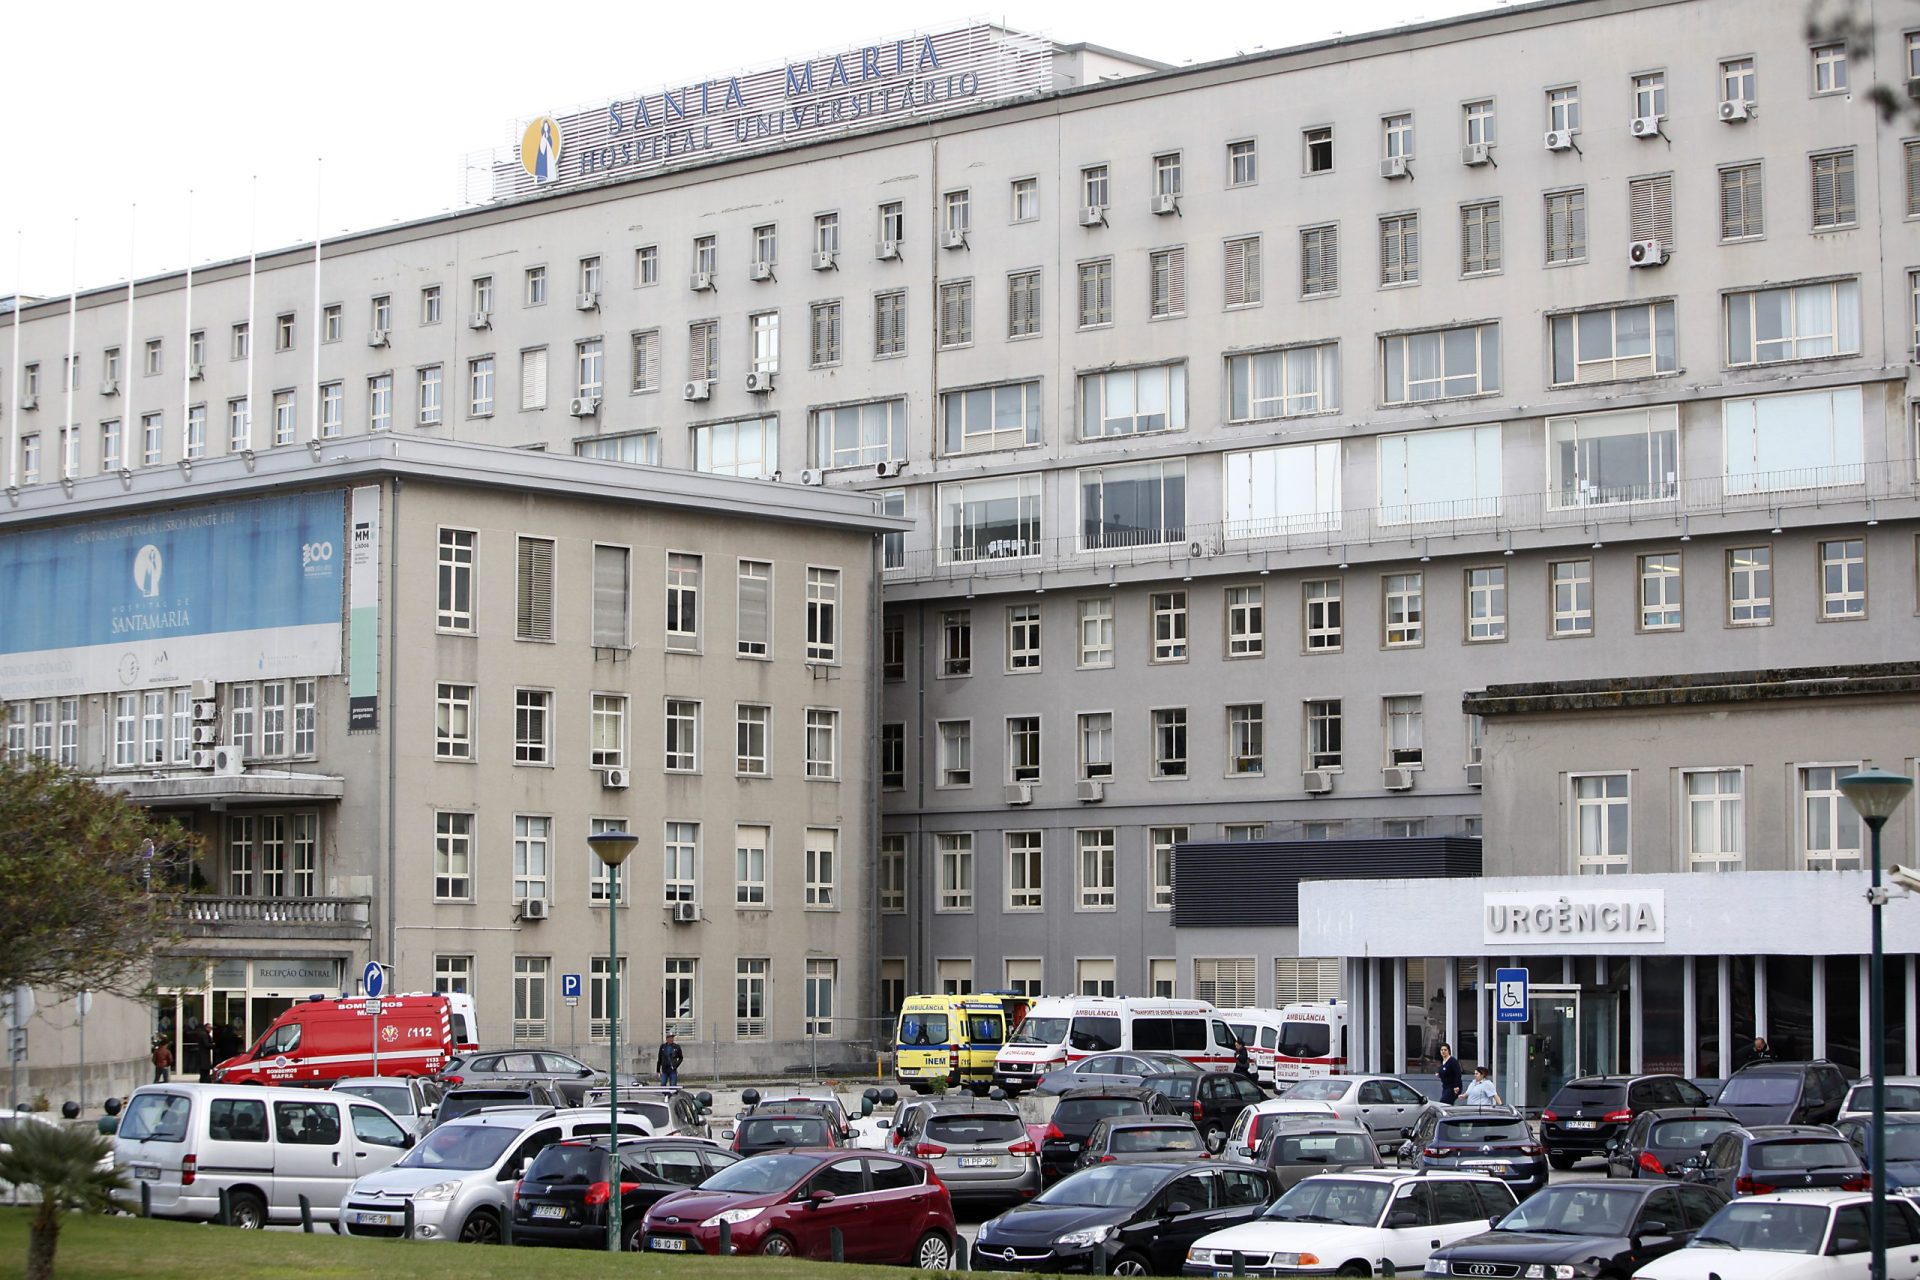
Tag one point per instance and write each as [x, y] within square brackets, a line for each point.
[667, 1061]
[1242, 1060]
[1449, 1075]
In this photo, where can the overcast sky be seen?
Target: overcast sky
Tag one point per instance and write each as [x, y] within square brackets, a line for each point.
[142, 104]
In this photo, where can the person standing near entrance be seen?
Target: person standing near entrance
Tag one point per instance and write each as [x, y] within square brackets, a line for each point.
[162, 1062]
[668, 1061]
[1449, 1074]
[1481, 1092]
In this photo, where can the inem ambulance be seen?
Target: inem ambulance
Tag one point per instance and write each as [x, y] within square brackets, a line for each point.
[953, 1040]
[1313, 1042]
[1062, 1031]
[321, 1040]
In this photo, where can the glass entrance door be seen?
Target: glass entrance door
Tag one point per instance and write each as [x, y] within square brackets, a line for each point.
[1553, 1042]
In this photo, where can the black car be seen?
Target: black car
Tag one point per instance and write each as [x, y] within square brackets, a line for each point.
[1603, 1229]
[1076, 1114]
[1757, 1159]
[1122, 1219]
[1785, 1093]
[763, 1131]
[1658, 1143]
[526, 1093]
[570, 1076]
[1490, 1140]
[562, 1197]
[1589, 1112]
[1142, 1140]
[1214, 1099]
[1903, 1147]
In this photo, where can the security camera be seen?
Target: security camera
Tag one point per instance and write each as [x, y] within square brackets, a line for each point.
[1906, 877]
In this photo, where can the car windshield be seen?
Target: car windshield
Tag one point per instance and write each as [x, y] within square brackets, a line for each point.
[761, 1176]
[1180, 1088]
[1085, 1111]
[1105, 1186]
[1319, 1089]
[1776, 1228]
[1132, 1141]
[1041, 1031]
[1903, 1141]
[461, 1146]
[1324, 1148]
[1900, 1097]
[461, 1101]
[396, 1100]
[156, 1117]
[783, 1131]
[923, 1028]
[569, 1164]
[1802, 1155]
[1688, 1134]
[1304, 1040]
[1351, 1203]
[987, 1128]
[1484, 1129]
[1760, 1091]
[1577, 1211]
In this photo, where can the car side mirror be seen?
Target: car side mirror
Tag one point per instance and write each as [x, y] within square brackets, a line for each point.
[1493, 1220]
[431, 1110]
[818, 1198]
[883, 1124]
[1654, 1228]
[1846, 1244]
[1176, 1208]
[584, 1072]
[1403, 1218]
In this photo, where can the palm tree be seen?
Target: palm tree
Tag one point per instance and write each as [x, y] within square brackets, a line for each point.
[65, 1166]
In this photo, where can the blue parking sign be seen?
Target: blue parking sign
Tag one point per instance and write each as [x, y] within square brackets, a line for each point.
[1509, 995]
[569, 986]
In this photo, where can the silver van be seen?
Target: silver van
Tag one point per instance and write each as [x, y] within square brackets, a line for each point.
[265, 1147]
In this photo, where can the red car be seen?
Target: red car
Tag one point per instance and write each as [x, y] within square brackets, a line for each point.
[889, 1209]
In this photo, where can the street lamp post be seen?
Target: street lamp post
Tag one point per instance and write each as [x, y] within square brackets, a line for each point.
[1875, 794]
[612, 848]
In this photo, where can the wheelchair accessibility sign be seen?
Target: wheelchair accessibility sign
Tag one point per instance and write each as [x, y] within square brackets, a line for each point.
[1509, 995]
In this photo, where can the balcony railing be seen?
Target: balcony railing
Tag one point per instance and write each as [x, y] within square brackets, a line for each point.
[202, 909]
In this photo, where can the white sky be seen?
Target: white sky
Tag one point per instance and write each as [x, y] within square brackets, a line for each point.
[235, 100]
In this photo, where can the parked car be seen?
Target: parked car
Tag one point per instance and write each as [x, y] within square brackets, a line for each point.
[1214, 1099]
[1489, 1140]
[764, 1131]
[909, 1120]
[570, 1075]
[1385, 1104]
[460, 1177]
[562, 1197]
[1785, 1093]
[1808, 1235]
[1659, 1142]
[1605, 1229]
[1260, 1119]
[889, 1209]
[1140, 1140]
[1079, 1110]
[1110, 1068]
[979, 1147]
[1903, 1148]
[1348, 1223]
[1122, 1219]
[669, 1109]
[1299, 1151]
[1902, 1095]
[1758, 1159]
[412, 1100]
[465, 1100]
[822, 1102]
[1591, 1111]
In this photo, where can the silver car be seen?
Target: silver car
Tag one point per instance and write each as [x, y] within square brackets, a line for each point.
[413, 1100]
[981, 1150]
[1903, 1094]
[1384, 1104]
[1111, 1068]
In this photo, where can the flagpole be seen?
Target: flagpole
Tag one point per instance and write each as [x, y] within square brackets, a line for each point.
[126, 349]
[253, 325]
[13, 400]
[186, 335]
[319, 174]
[71, 429]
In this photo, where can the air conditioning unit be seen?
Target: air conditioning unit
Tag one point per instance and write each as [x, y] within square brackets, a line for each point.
[1394, 167]
[583, 406]
[697, 389]
[206, 709]
[29, 401]
[760, 381]
[227, 762]
[826, 260]
[811, 476]
[615, 779]
[1559, 139]
[887, 251]
[701, 282]
[205, 735]
[1645, 127]
[378, 337]
[534, 909]
[109, 386]
[1476, 153]
[1397, 779]
[1646, 253]
[1736, 111]
[1163, 204]
[588, 301]
[480, 320]
[889, 469]
[195, 372]
[1316, 782]
[1091, 790]
[1019, 793]
[686, 913]
[1473, 774]
[204, 689]
[954, 240]
[203, 759]
[760, 271]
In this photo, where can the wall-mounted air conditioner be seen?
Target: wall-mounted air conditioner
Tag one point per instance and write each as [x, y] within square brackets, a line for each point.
[1316, 782]
[1397, 779]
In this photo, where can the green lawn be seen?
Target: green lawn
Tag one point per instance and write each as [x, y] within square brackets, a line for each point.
[117, 1248]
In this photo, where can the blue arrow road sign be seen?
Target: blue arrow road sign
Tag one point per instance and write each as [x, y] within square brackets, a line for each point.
[570, 986]
[1509, 995]
[373, 978]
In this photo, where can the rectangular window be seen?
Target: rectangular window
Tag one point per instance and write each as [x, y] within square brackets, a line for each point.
[1133, 504]
[646, 266]
[286, 416]
[480, 387]
[1096, 632]
[1650, 95]
[824, 328]
[1796, 323]
[1480, 247]
[752, 732]
[826, 233]
[1833, 190]
[1563, 109]
[1406, 731]
[821, 867]
[682, 736]
[605, 998]
[1320, 616]
[1093, 187]
[955, 852]
[1750, 586]
[1400, 249]
[1246, 625]
[703, 350]
[1605, 344]
[750, 866]
[1319, 261]
[533, 590]
[1170, 742]
[1830, 68]
[1246, 735]
[239, 425]
[453, 974]
[1169, 620]
[1025, 869]
[1566, 225]
[1792, 441]
[590, 368]
[646, 361]
[532, 726]
[530, 998]
[1571, 589]
[455, 580]
[1284, 384]
[1243, 163]
[1843, 578]
[111, 458]
[1023, 637]
[1737, 80]
[1167, 283]
[1440, 364]
[1317, 145]
[1242, 272]
[1160, 842]
[1096, 744]
[1282, 490]
[427, 389]
[1323, 726]
[683, 600]
[453, 857]
[1479, 123]
[1133, 401]
[890, 323]
[1716, 824]
[533, 379]
[1096, 292]
[750, 999]
[1660, 592]
[483, 296]
[1166, 174]
[956, 753]
[956, 643]
[1098, 869]
[1650, 209]
[1910, 158]
[990, 519]
[680, 856]
[453, 726]
[984, 419]
[893, 646]
[1026, 200]
[607, 725]
[331, 325]
[1440, 475]
[152, 440]
[823, 743]
[766, 245]
[893, 545]
[1023, 748]
[956, 313]
[430, 304]
[706, 256]
[763, 342]
[194, 447]
[1601, 827]
[821, 978]
[1396, 137]
[749, 448]
[1403, 610]
[382, 313]
[823, 615]
[893, 757]
[1024, 304]
[893, 223]
[532, 851]
[1604, 458]
[957, 212]
[754, 591]
[1486, 604]
[1830, 825]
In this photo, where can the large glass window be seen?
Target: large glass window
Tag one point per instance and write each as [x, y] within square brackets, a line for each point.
[1798, 323]
[990, 519]
[1135, 504]
[1282, 490]
[1716, 829]
[1613, 342]
[1440, 364]
[858, 435]
[1601, 824]
[1284, 384]
[1133, 401]
[1440, 475]
[749, 448]
[1794, 440]
[1830, 825]
[1601, 458]
[987, 418]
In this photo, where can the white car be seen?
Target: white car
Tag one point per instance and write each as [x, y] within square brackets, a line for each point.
[1794, 1235]
[1355, 1223]
[1244, 1139]
[1903, 1094]
[1384, 1104]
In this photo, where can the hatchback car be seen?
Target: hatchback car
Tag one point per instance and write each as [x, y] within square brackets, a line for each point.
[1903, 1148]
[562, 1197]
[1110, 1068]
[777, 1130]
[1659, 1143]
[820, 1102]
[1214, 1099]
[1809, 1235]
[668, 1109]
[1299, 1151]
[1260, 1119]
[570, 1075]
[1122, 1219]
[1137, 1140]
[886, 1208]
[1583, 1228]
[1759, 1159]
[1591, 1111]
[1490, 1140]
[1351, 1223]
[980, 1148]
[1903, 1094]
[465, 1100]
[412, 1100]
[1785, 1093]
[1076, 1114]
[1384, 1104]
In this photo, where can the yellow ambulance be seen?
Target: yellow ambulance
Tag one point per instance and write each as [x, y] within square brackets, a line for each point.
[953, 1040]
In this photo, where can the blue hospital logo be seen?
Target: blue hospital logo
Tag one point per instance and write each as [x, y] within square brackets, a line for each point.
[146, 570]
[540, 149]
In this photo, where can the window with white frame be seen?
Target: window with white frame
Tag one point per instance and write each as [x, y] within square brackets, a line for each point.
[823, 615]
[1843, 578]
[1598, 459]
[1096, 292]
[1650, 209]
[1563, 109]
[1321, 629]
[821, 977]
[111, 458]
[1026, 200]
[858, 435]
[427, 393]
[752, 736]
[1737, 80]
[890, 323]
[1476, 739]
[1478, 121]
[607, 727]
[990, 519]
[1440, 475]
[1025, 304]
[605, 999]
[750, 999]
[1570, 585]
[1099, 868]
[1160, 843]
[1094, 977]
[982, 419]
[749, 448]
[590, 368]
[956, 209]
[1797, 322]
[1093, 187]
[1486, 604]
[533, 590]
[1406, 730]
[682, 735]
[1400, 249]
[1480, 238]
[956, 643]
[1166, 174]
[1024, 977]
[955, 856]
[1660, 591]
[480, 387]
[1609, 343]
[680, 850]
[612, 596]
[680, 997]
[1833, 190]
[1566, 213]
[1716, 825]
[532, 726]
[1167, 283]
[1795, 440]
[1830, 68]
[703, 350]
[1170, 742]
[1025, 871]
[955, 762]
[605, 884]
[821, 867]
[1246, 739]
[286, 418]
[153, 435]
[1133, 504]
[1319, 261]
[1282, 490]
[1243, 163]
[453, 722]
[1096, 744]
[763, 342]
[1440, 364]
[379, 402]
[1830, 825]
[195, 445]
[1750, 586]
[1601, 827]
[1168, 615]
[239, 424]
[453, 856]
[892, 873]
[1023, 637]
[532, 852]
[824, 326]
[1023, 748]
[1396, 137]
[1096, 632]
[530, 975]
[1290, 383]
[1241, 262]
[754, 608]
[453, 974]
[1224, 983]
[750, 865]
[533, 379]
[956, 313]
[823, 743]
[1247, 832]
[1246, 621]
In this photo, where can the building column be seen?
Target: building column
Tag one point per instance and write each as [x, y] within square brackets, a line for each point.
[1452, 1032]
[1913, 1039]
[1819, 1003]
[1725, 988]
[1636, 1055]
[1482, 998]
[1690, 1019]
[1373, 1016]
[1399, 1015]
[1760, 1027]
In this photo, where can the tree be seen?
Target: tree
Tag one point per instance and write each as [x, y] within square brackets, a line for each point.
[70, 1168]
[77, 868]
[1850, 22]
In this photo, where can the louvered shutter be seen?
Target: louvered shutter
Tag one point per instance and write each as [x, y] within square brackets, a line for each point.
[1103, 280]
[1913, 179]
[1650, 206]
[1243, 271]
[610, 596]
[1023, 304]
[1320, 260]
[533, 379]
[1841, 166]
[646, 360]
[1473, 239]
[1089, 293]
[534, 597]
[1176, 282]
[697, 364]
[1740, 202]
[966, 312]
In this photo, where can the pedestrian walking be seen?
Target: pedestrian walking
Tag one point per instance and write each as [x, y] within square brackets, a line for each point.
[1242, 1060]
[1449, 1075]
[667, 1061]
[162, 1062]
[1481, 1092]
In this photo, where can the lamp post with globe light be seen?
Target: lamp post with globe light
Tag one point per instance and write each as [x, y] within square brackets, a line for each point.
[1875, 794]
[612, 848]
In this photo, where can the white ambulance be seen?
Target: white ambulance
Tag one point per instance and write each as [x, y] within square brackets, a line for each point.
[1259, 1029]
[1059, 1031]
[1312, 1042]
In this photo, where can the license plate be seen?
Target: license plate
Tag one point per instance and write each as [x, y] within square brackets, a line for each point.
[979, 1162]
[669, 1244]
[549, 1211]
[1582, 1124]
[1491, 1166]
[373, 1219]
[146, 1173]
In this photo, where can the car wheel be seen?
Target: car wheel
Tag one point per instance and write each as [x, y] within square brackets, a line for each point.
[1561, 1160]
[246, 1211]
[481, 1227]
[636, 1240]
[1355, 1269]
[777, 1246]
[1130, 1264]
[933, 1253]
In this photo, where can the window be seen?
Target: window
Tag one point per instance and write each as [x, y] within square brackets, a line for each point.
[823, 743]
[533, 379]
[430, 304]
[1486, 604]
[1242, 258]
[706, 256]
[480, 387]
[956, 313]
[1571, 589]
[766, 245]
[821, 872]
[453, 974]
[1829, 68]
[1795, 440]
[1650, 94]
[606, 998]
[1833, 203]
[1317, 145]
[1282, 490]
[1246, 735]
[763, 335]
[1650, 209]
[285, 418]
[1166, 174]
[1026, 199]
[110, 455]
[823, 615]
[1134, 504]
[1403, 610]
[703, 350]
[455, 580]
[1023, 748]
[453, 722]
[1133, 401]
[1716, 829]
[1600, 823]
[893, 757]
[824, 328]
[1441, 364]
[1096, 745]
[239, 347]
[1320, 615]
[331, 325]
[1843, 578]
[1396, 137]
[1633, 341]
[682, 735]
[1406, 731]
[1737, 80]
[1093, 187]
[607, 725]
[1479, 123]
[1160, 843]
[532, 846]
[750, 999]
[1480, 250]
[680, 857]
[752, 731]
[893, 222]
[1660, 592]
[239, 425]
[749, 448]
[890, 323]
[382, 313]
[1563, 109]
[754, 591]
[1604, 458]
[1284, 384]
[1319, 261]
[1750, 586]
[990, 519]
[530, 998]
[750, 866]
[1170, 742]
[1167, 283]
[590, 367]
[1797, 323]
[1096, 632]
[821, 975]
[989, 418]
[956, 213]
[1094, 977]
[955, 852]
[427, 390]
[1096, 292]
[533, 590]
[1169, 619]
[1024, 977]
[1830, 824]
[1098, 868]
[1567, 225]
[1246, 627]
[195, 445]
[893, 646]
[1323, 724]
[826, 233]
[683, 599]
[152, 440]
[956, 753]
[483, 295]
[1023, 637]
[1243, 163]
[1910, 155]
[532, 726]
[453, 857]
[1476, 740]
[1024, 304]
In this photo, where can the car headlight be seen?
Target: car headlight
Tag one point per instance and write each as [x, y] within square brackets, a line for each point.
[1085, 1236]
[734, 1217]
[1436, 1267]
[438, 1191]
[1200, 1257]
[1561, 1271]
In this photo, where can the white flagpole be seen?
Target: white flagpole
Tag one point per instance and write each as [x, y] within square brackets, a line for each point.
[186, 335]
[72, 372]
[253, 327]
[127, 425]
[319, 174]
[13, 400]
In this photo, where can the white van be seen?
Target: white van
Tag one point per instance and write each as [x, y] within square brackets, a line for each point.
[1059, 1031]
[1313, 1042]
[265, 1147]
[1260, 1030]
